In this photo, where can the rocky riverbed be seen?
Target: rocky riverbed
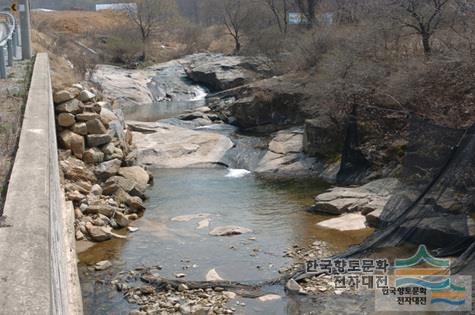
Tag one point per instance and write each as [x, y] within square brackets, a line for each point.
[215, 157]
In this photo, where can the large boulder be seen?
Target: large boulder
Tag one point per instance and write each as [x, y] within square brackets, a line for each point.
[135, 174]
[284, 155]
[287, 141]
[219, 72]
[366, 199]
[175, 147]
[130, 87]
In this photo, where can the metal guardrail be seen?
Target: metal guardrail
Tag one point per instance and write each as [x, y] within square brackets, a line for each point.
[10, 42]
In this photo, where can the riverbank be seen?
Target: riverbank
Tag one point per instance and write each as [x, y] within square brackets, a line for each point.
[202, 160]
[217, 159]
[99, 176]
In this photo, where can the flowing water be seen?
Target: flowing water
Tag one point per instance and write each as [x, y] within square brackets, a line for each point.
[276, 211]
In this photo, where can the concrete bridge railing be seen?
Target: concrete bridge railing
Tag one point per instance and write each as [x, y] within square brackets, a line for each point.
[38, 271]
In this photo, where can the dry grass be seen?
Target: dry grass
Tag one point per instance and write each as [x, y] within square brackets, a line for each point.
[77, 22]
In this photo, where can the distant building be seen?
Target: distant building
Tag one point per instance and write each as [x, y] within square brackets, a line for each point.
[296, 18]
[117, 6]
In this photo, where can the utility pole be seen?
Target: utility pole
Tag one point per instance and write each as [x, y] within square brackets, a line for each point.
[25, 28]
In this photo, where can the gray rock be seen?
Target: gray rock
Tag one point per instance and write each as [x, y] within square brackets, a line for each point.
[219, 72]
[86, 96]
[293, 287]
[137, 174]
[103, 209]
[107, 116]
[72, 141]
[66, 120]
[87, 116]
[107, 169]
[108, 149]
[72, 107]
[373, 218]
[102, 265]
[370, 197]
[229, 230]
[98, 234]
[345, 222]
[63, 96]
[96, 190]
[94, 108]
[128, 185]
[287, 141]
[93, 156]
[179, 147]
[95, 127]
[80, 129]
[98, 140]
[121, 219]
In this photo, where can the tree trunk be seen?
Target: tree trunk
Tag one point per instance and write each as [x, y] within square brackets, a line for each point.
[144, 44]
[237, 45]
[426, 44]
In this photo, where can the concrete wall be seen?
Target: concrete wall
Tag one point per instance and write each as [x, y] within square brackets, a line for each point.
[38, 272]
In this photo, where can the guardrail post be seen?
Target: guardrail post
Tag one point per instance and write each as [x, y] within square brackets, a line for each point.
[17, 38]
[25, 22]
[15, 43]
[3, 69]
[10, 52]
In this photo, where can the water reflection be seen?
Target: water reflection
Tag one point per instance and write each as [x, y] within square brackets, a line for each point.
[275, 210]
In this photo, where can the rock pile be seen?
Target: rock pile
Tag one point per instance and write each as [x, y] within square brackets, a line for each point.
[96, 160]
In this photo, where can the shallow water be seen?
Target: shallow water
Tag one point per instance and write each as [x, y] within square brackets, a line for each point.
[275, 210]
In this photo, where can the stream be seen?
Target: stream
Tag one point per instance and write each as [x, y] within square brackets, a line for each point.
[184, 205]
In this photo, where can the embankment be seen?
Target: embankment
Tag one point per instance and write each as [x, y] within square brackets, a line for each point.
[37, 275]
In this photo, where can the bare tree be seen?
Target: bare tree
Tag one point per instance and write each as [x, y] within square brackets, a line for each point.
[280, 11]
[463, 23]
[308, 8]
[236, 16]
[423, 16]
[145, 14]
